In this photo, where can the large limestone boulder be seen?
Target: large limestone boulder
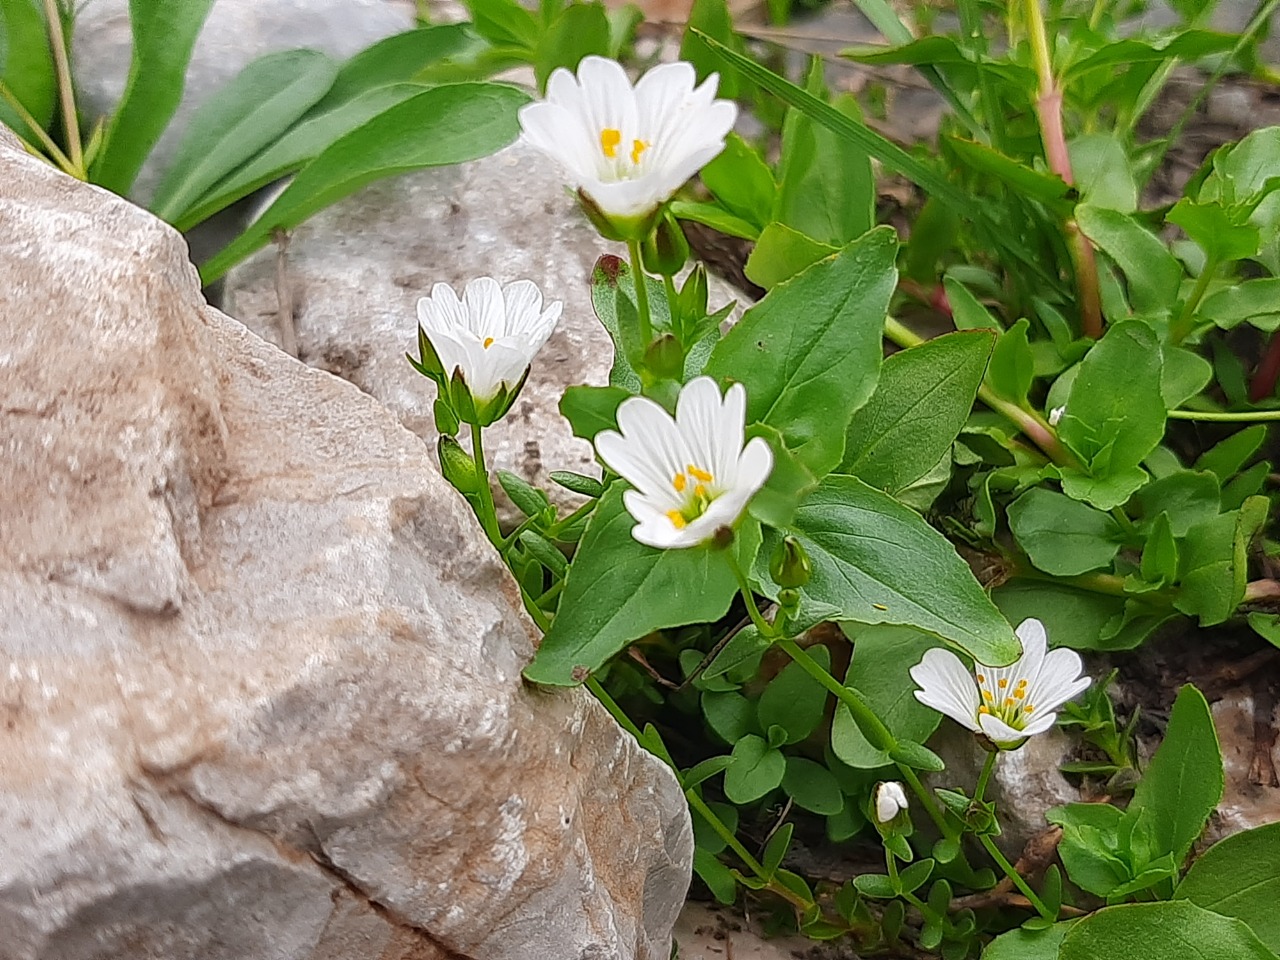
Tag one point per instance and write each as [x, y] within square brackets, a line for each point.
[356, 272]
[236, 33]
[260, 689]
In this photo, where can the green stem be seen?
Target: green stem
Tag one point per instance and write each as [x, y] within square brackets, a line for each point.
[767, 630]
[677, 321]
[488, 512]
[66, 92]
[985, 777]
[642, 296]
[560, 525]
[1186, 319]
[46, 141]
[1247, 416]
[1016, 877]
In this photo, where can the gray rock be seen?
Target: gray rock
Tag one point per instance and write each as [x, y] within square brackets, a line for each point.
[236, 33]
[1025, 784]
[1250, 760]
[358, 269]
[260, 689]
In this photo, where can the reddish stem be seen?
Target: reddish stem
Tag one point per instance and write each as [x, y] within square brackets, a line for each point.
[1264, 378]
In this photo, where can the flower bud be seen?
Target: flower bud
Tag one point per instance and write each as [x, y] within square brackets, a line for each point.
[890, 800]
[789, 566]
[692, 299]
[665, 358]
[665, 251]
[458, 468]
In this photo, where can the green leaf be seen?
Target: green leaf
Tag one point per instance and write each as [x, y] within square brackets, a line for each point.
[1184, 781]
[1225, 459]
[809, 352]
[1267, 626]
[504, 23]
[1022, 944]
[795, 701]
[1255, 302]
[780, 253]
[1152, 272]
[592, 409]
[775, 503]
[582, 29]
[303, 142]
[967, 311]
[619, 590]
[1102, 172]
[870, 554]
[921, 402]
[1240, 877]
[756, 769]
[1080, 619]
[1189, 498]
[714, 216]
[1160, 553]
[1214, 562]
[1012, 364]
[776, 849]
[441, 125]
[731, 715]
[1183, 376]
[741, 648]
[710, 20]
[812, 787]
[613, 295]
[718, 878]
[398, 58]
[882, 657]
[1046, 188]
[1063, 536]
[742, 182]
[528, 499]
[163, 36]
[1223, 236]
[241, 118]
[1161, 931]
[825, 187]
[26, 66]
[1115, 412]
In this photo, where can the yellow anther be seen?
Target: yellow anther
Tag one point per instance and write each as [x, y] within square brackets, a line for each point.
[677, 519]
[981, 678]
[1022, 684]
[488, 342]
[637, 147]
[700, 491]
[679, 481]
[699, 474]
[609, 140]
[986, 695]
[984, 709]
[1009, 701]
[1020, 693]
[1028, 708]
[1003, 682]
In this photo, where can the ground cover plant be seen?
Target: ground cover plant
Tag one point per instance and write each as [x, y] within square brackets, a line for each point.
[806, 564]
[1077, 466]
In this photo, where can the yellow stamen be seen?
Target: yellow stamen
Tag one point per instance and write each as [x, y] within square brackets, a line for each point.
[638, 147]
[677, 519]
[699, 491]
[1003, 682]
[699, 474]
[1020, 693]
[488, 342]
[1009, 701]
[679, 481]
[986, 695]
[1028, 708]
[609, 140]
[984, 709]
[981, 678]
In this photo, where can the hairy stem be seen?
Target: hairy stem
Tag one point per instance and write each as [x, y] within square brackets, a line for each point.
[488, 512]
[642, 297]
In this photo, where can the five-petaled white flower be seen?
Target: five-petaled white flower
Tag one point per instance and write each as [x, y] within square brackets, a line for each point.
[691, 475]
[491, 334]
[890, 800]
[1005, 704]
[629, 148]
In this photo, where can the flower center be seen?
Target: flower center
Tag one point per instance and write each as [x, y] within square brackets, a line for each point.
[691, 484]
[611, 140]
[1007, 703]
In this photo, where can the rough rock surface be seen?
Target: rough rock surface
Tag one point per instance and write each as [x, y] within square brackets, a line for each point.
[259, 678]
[1250, 760]
[236, 33]
[358, 269]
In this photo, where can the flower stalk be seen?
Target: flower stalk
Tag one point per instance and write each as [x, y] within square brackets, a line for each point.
[643, 315]
[66, 91]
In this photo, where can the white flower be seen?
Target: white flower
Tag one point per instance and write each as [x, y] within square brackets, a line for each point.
[691, 475]
[891, 800]
[1055, 415]
[629, 148]
[1005, 704]
[491, 334]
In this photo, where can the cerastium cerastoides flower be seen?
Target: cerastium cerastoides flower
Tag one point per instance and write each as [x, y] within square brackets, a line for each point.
[691, 475]
[483, 343]
[1005, 704]
[890, 800]
[628, 148]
